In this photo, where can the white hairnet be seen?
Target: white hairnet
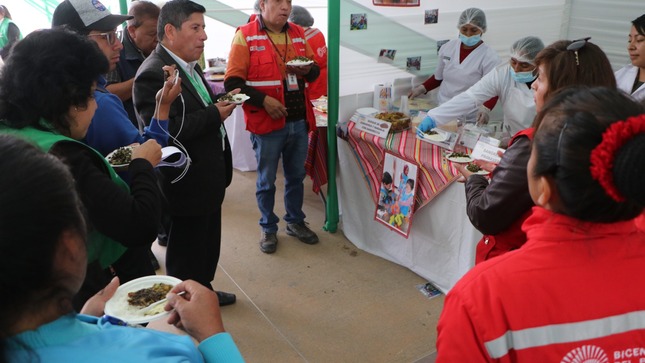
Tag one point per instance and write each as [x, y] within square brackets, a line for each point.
[256, 7]
[473, 16]
[525, 49]
[301, 16]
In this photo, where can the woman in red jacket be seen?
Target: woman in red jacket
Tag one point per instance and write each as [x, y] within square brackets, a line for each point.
[499, 207]
[573, 292]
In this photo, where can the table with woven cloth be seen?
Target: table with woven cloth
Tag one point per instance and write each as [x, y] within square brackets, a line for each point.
[435, 172]
[441, 244]
[316, 161]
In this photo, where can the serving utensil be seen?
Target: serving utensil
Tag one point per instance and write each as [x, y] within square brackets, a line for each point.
[148, 308]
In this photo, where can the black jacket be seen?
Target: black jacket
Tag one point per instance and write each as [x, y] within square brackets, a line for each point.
[202, 189]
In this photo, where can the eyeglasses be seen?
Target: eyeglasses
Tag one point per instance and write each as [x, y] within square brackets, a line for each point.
[576, 45]
[111, 37]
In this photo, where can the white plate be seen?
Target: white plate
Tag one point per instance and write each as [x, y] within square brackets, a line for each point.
[220, 69]
[118, 306]
[238, 99]
[299, 63]
[118, 167]
[460, 160]
[367, 111]
[438, 137]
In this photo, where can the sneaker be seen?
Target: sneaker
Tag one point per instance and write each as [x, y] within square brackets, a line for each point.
[269, 242]
[303, 233]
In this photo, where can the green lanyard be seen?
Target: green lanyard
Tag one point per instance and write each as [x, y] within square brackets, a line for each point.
[206, 98]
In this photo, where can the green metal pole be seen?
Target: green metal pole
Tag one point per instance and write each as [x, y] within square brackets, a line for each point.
[333, 48]
[124, 6]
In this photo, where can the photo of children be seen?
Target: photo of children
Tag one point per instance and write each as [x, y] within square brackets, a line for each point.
[358, 22]
[413, 64]
[431, 16]
[396, 197]
[386, 55]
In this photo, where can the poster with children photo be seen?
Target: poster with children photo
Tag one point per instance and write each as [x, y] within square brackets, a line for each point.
[395, 205]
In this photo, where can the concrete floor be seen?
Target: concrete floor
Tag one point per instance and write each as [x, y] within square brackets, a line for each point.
[329, 302]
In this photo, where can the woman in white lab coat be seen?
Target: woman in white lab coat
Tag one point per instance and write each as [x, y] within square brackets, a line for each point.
[511, 82]
[631, 78]
[463, 61]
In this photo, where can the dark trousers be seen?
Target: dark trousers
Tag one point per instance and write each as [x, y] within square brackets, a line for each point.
[134, 263]
[194, 247]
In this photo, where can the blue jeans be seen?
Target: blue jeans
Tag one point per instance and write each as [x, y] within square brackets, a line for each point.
[290, 143]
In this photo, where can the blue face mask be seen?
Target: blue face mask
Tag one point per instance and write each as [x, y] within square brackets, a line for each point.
[470, 41]
[523, 77]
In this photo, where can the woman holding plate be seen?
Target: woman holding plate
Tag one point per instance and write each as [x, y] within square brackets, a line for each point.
[44, 267]
[53, 110]
[499, 207]
[545, 302]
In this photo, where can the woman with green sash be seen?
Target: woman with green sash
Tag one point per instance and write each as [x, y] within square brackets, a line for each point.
[46, 97]
[9, 32]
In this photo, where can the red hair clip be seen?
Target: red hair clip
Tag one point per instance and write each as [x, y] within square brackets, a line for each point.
[603, 155]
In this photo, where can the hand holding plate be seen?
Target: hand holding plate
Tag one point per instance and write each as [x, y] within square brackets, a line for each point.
[149, 150]
[95, 306]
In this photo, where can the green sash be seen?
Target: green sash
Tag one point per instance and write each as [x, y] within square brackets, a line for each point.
[99, 246]
[206, 97]
[4, 25]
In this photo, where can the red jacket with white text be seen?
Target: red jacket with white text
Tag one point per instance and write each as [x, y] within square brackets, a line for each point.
[572, 293]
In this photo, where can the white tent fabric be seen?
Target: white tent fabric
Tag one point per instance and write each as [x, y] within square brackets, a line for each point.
[608, 24]
[436, 257]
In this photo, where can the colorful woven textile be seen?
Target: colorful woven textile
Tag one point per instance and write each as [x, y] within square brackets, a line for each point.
[435, 172]
[316, 161]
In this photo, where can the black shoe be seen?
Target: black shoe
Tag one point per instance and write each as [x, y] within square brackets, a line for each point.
[303, 233]
[162, 240]
[269, 242]
[154, 261]
[225, 298]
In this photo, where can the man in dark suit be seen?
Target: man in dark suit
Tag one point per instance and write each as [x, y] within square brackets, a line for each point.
[196, 125]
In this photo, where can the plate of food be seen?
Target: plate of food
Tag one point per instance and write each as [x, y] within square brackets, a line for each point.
[434, 135]
[457, 157]
[120, 158]
[237, 98]
[475, 169]
[215, 77]
[300, 62]
[133, 296]
[400, 121]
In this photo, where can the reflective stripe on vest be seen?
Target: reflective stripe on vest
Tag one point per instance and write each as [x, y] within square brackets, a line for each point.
[264, 83]
[297, 40]
[309, 33]
[565, 333]
[251, 38]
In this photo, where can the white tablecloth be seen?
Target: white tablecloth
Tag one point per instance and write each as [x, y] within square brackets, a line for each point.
[239, 137]
[441, 244]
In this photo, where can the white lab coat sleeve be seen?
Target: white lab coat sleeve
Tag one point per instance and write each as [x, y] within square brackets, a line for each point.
[467, 102]
[491, 60]
[625, 78]
[438, 73]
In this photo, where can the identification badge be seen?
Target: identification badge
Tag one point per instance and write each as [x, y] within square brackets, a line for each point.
[292, 82]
